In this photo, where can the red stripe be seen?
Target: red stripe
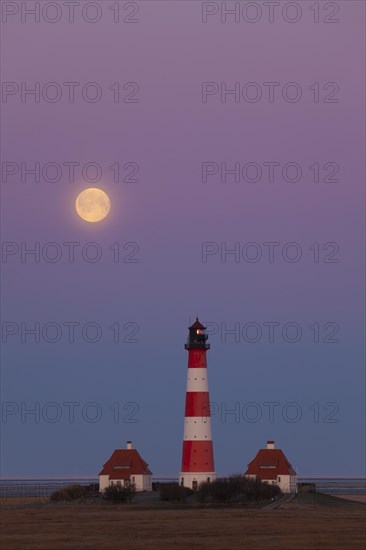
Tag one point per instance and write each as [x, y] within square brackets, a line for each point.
[197, 456]
[197, 403]
[197, 359]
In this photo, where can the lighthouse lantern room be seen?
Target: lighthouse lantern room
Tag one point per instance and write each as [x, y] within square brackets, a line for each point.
[197, 338]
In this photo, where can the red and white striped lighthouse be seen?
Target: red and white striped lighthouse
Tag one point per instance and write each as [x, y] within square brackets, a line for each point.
[197, 456]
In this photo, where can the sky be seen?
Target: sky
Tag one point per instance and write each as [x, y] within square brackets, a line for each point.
[155, 102]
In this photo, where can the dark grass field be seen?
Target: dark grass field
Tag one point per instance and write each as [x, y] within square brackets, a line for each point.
[311, 522]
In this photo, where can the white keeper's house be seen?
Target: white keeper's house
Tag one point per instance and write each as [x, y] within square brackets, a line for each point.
[270, 465]
[126, 467]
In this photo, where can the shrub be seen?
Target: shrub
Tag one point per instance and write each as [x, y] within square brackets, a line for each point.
[236, 489]
[69, 493]
[117, 493]
[174, 492]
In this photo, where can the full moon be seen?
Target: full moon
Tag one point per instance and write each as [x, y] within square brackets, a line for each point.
[93, 205]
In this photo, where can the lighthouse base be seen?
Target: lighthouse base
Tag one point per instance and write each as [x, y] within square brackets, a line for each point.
[193, 479]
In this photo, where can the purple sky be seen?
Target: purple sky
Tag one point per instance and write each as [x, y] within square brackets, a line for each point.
[169, 213]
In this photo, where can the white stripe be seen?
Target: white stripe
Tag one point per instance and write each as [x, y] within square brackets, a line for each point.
[197, 380]
[197, 428]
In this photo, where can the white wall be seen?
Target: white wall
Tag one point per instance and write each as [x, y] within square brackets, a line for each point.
[103, 483]
[287, 483]
[141, 482]
[189, 477]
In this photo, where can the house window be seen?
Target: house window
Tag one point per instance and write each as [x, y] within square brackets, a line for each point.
[208, 480]
[133, 479]
[279, 478]
[119, 483]
[112, 482]
[182, 481]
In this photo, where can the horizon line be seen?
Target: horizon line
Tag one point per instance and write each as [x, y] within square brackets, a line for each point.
[174, 476]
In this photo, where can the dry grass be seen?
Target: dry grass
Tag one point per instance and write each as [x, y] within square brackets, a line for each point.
[94, 525]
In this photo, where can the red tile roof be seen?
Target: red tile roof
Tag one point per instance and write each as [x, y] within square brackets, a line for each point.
[268, 464]
[123, 463]
[120, 474]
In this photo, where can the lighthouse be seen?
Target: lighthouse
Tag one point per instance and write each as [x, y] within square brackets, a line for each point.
[197, 455]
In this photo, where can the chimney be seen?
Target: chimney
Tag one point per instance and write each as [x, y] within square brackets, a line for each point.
[129, 444]
[270, 444]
